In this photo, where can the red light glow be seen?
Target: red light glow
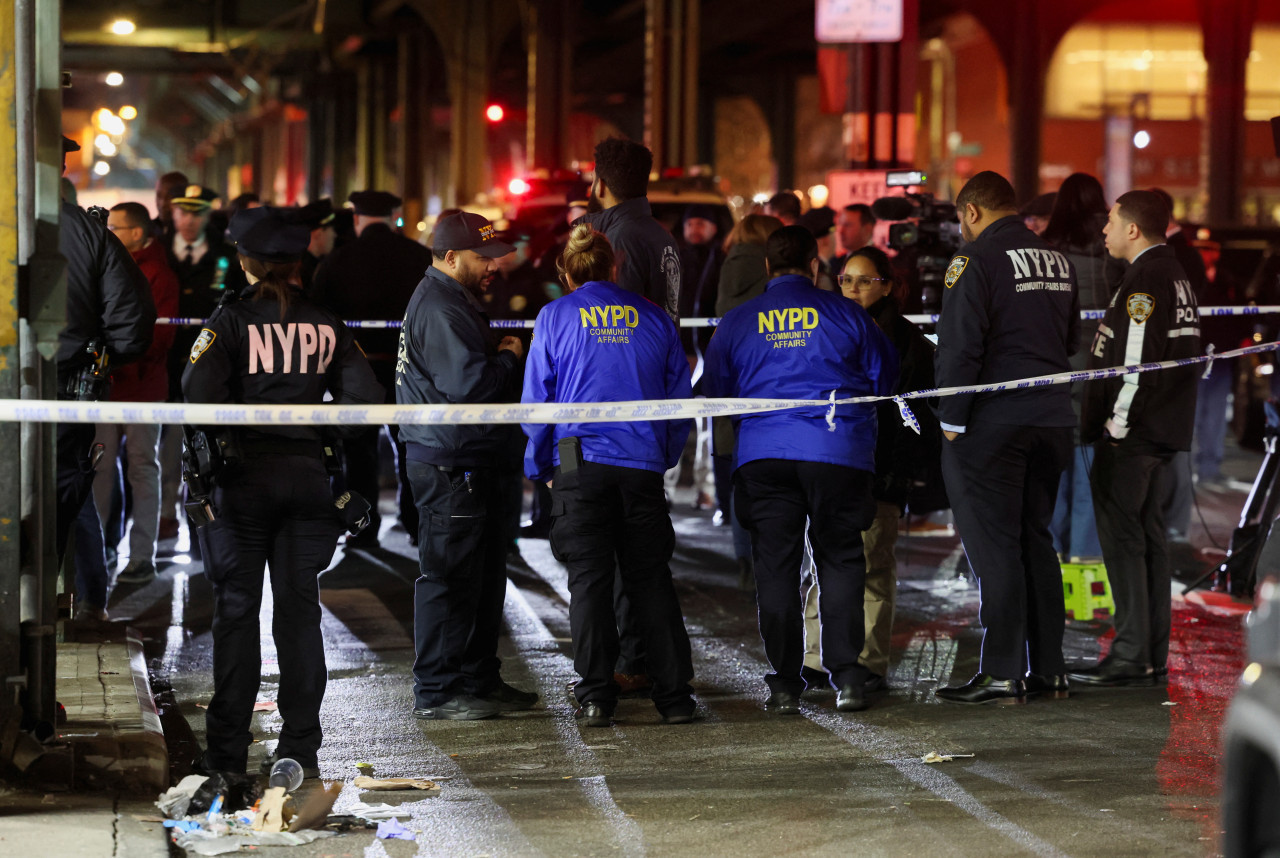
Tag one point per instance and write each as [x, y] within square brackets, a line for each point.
[494, 112]
[518, 187]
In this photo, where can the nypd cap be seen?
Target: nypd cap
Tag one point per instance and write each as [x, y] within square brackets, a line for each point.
[468, 231]
[313, 215]
[268, 234]
[195, 199]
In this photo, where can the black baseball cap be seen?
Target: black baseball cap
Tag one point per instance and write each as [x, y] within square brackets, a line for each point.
[468, 231]
[268, 234]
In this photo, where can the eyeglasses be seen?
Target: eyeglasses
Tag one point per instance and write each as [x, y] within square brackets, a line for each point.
[861, 283]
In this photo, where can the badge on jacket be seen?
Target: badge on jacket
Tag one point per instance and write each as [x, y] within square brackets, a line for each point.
[1139, 306]
[202, 342]
[954, 270]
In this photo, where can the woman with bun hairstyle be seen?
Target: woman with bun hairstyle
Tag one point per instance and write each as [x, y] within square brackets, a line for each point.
[600, 343]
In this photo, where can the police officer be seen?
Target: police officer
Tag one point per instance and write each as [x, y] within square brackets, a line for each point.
[461, 483]
[374, 277]
[601, 343]
[1010, 310]
[273, 347]
[1136, 424]
[321, 219]
[798, 342]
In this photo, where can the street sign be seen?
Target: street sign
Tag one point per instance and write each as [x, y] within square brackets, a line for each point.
[839, 21]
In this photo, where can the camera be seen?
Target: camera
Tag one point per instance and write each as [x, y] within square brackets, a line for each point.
[926, 234]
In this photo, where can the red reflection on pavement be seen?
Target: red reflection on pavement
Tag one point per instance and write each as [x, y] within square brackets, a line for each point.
[1206, 656]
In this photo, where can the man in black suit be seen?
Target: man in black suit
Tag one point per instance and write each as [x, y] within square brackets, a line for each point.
[373, 278]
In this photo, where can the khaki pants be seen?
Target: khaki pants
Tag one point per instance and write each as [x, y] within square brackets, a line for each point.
[878, 599]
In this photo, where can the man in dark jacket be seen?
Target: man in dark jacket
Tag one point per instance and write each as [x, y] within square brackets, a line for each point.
[1010, 310]
[649, 263]
[108, 300]
[373, 278]
[1136, 423]
[449, 354]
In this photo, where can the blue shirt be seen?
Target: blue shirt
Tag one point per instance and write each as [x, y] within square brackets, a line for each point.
[798, 342]
[601, 343]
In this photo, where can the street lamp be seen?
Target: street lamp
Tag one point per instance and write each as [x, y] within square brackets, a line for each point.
[122, 27]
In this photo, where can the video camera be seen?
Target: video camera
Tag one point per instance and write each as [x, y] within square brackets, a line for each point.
[926, 237]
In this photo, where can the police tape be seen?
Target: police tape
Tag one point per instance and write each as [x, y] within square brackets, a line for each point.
[704, 322]
[331, 414]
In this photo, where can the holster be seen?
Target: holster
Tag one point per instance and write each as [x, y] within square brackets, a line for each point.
[218, 549]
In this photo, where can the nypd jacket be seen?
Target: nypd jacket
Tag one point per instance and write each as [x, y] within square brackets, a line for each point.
[448, 354]
[1153, 317]
[601, 343]
[1010, 310]
[648, 263]
[797, 342]
[107, 295]
[251, 353]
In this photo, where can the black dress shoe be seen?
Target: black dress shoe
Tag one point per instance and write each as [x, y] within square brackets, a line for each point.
[683, 714]
[1053, 686]
[592, 715]
[875, 683]
[464, 707]
[511, 699]
[851, 699]
[1115, 673]
[1160, 673]
[782, 703]
[985, 689]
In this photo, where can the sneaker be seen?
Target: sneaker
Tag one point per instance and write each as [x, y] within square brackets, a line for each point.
[464, 707]
[511, 699]
[137, 572]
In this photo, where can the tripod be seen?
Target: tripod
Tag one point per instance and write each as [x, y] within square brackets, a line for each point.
[1237, 575]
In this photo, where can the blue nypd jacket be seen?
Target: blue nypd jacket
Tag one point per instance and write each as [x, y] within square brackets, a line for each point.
[601, 343]
[798, 342]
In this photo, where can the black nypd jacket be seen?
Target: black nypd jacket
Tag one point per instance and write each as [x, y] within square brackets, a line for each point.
[1010, 310]
[1152, 317]
[648, 263]
[107, 294]
[250, 353]
[449, 355]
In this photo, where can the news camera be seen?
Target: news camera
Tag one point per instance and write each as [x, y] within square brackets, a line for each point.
[924, 232]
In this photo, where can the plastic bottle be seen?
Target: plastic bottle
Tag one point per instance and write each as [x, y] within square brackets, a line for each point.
[285, 773]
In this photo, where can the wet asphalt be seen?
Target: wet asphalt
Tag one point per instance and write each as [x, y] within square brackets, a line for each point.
[1106, 772]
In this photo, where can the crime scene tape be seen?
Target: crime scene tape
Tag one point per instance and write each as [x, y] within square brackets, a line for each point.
[330, 414]
[701, 322]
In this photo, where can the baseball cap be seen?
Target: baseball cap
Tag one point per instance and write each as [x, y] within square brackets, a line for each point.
[468, 231]
[268, 234]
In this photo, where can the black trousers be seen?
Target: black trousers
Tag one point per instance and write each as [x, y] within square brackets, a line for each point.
[362, 472]
[1003, 482]
[606, 517]
[774, 498]
[463, 535]
[74, 474]
[1127, 494]
[281, 512]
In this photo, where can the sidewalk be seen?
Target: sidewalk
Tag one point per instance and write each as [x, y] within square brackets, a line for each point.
[111, 751]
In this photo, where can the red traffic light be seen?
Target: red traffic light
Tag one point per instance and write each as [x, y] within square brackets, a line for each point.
[494, 113]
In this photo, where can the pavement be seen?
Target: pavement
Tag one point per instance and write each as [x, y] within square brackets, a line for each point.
[1106, 772]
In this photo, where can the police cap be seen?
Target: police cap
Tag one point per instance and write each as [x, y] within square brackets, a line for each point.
[195, 199]
[268, 234]
[819, 221]
[374, 203]
[468, 231]
[702, 211]
[313, 215]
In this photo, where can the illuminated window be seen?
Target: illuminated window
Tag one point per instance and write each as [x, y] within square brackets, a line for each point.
[1151, 72]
